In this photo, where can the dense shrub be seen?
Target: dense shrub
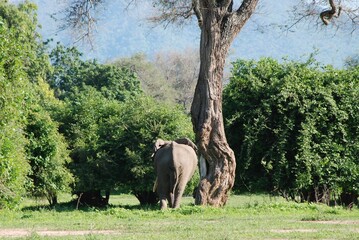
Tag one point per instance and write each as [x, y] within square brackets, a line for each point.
[80, 122]
[294, 128]
[110, 127]
[129, 136]
[24, 132]
[18, 63]
[111, 142]
[47, 154]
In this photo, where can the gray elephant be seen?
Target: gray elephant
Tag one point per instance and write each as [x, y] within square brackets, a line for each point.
[175, 163]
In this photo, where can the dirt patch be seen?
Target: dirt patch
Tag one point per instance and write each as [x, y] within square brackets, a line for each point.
[57, 233]
[344, 222]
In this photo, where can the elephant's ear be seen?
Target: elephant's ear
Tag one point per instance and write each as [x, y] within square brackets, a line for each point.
[158, 144]
[188, 142]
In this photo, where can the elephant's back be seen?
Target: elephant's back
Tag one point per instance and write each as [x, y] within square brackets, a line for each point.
[164, 156]
[176, 156]
[184, 155]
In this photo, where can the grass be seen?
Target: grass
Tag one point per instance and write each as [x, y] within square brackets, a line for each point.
[244, 217]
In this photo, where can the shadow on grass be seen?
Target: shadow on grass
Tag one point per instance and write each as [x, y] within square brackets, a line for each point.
[72, 206]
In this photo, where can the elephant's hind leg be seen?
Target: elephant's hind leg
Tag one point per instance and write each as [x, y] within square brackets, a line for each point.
[177, 201]
[163, 199]
[171, 199]
[178, 194]
[172, 188]
[163, 203]
[163, 191]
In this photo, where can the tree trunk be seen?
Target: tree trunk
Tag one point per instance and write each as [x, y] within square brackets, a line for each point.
[219, 26]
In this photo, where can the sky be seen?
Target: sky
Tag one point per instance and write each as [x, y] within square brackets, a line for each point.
[122, 33]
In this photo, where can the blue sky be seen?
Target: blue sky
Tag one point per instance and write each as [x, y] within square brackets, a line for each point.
[122, 33]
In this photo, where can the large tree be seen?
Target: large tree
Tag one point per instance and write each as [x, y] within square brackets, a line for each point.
[220, 22]
[219, 25]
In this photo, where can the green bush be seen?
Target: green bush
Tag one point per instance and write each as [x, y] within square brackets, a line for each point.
[110, 126]
[32, 153]
[111, 142]
[294, 129]
[130, 135]
[80, 123]
[17, 47]
[48, 156]
[70, 71]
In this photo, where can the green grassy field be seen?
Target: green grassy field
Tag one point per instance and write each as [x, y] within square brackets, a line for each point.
[244, 217]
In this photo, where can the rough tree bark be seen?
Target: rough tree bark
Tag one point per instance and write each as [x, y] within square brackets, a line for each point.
[219, 26]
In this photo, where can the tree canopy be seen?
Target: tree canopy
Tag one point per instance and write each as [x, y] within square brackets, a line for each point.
[294, 128]
[32, 153]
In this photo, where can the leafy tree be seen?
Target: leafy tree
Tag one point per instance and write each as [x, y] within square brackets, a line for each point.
[46, 148]
[109, 126]
[88, 88]
[48, 156]
[294, 129]
[80, 122]
[23, 65]
[70, 71]
[152, 80]
[111, 142]
[129, 135]
[18, 40]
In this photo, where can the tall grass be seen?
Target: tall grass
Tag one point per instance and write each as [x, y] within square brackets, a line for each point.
[244, 217]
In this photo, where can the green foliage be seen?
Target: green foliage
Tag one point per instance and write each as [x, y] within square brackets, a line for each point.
[27, 131]
[294, 128]
[111, 142]
[80, 123]
[109, 125]
[16, 25]
[47, 153]
[131, 133]
[70, 71]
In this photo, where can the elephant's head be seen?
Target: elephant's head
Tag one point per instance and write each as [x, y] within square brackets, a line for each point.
[158, 144]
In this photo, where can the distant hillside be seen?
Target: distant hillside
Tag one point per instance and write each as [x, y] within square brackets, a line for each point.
[123, 33]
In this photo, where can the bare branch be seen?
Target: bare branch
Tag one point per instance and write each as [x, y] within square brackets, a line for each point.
[79, 16]
[234, 21]
[172, 11]
[246, 9]
[342, 14]
[197, 11]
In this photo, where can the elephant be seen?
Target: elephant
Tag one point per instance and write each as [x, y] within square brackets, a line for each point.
[175, 163]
